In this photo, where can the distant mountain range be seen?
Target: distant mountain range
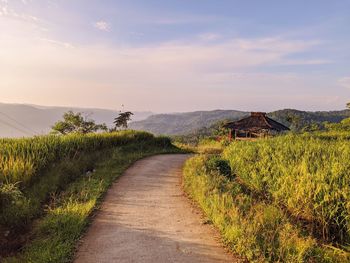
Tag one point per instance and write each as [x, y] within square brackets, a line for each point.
[191, 122]
[18, 120]
[184, 123]
[310, 116]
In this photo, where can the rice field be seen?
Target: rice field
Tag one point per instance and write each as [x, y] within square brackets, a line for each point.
[308, 175]
[68, 180]
[286, 199]
[33, 169]
[21, 160]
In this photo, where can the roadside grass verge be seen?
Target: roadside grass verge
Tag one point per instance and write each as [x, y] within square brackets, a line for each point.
[306, 174]
[32, 169]
[250, 224]
[64, 209]
[204, 146]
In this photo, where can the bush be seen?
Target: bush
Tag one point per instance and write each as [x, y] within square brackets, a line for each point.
[13, 204]
[217, 164]
[9, 194]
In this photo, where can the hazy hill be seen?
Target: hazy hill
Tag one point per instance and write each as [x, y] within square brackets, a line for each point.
[310, 116]
[17, 120]
[184, 123]
[190, 122]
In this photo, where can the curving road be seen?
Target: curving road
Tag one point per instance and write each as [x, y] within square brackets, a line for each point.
[146, 218]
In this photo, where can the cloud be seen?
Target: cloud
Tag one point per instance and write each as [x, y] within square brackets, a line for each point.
[7, 12]
[344, 82]
[209, 37]
[103, 26]
[182, 20]
[306, 62]
[58, 43]
[165, 76]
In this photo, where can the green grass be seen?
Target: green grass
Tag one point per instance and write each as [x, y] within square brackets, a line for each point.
[22, 160]
[207, 146]
[63, 197]
[32, 169]
[287, 199]
[309, 175]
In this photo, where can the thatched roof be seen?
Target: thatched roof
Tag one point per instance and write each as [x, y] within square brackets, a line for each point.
[256, 122]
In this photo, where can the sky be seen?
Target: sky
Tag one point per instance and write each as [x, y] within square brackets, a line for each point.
[183, 55]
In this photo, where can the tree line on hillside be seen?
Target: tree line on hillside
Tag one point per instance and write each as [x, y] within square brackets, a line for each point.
[301, 122]
[297, 121]
[77, 123]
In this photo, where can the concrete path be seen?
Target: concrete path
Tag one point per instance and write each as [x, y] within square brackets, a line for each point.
[146, 218]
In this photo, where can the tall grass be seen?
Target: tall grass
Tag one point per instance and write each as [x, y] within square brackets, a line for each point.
[308, 175]
[21, 160]
[55, 234]
[33, 169]
[250, 224]
[287, 198]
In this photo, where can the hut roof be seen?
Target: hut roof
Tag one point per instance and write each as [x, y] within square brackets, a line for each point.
[257, 121]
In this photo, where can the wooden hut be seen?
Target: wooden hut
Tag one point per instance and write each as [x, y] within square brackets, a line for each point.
[255, 126]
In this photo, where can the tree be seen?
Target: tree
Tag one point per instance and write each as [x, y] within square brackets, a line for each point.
[75, 123]
[344, 125]
[313, 126]
[348, 105]
[122, 120]
[295, 121]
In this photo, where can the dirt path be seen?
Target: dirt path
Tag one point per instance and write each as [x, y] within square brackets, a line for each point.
[146, 218]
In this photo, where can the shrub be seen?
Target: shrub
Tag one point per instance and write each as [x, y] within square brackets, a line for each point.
[217, 164]
[9, 194]
[13, 205]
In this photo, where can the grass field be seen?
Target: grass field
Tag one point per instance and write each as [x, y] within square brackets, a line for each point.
[287, 199]
[63, 187]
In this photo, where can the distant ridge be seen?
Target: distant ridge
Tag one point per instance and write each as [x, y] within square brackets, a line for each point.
[23, 120]
[190, 122]
[184, 123]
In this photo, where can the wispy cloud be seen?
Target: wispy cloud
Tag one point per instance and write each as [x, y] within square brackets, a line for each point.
[6, 11]
[306, 62]
[209, 36]
[102, 25]
[183, 19]
[344, 82]
[206, 70]
[225, 68]
[58, 43]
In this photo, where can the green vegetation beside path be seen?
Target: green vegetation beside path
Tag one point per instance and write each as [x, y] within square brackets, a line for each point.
[44, 210]
[283, 199]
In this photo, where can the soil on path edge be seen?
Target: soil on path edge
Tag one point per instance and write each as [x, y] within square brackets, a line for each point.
[145, 217]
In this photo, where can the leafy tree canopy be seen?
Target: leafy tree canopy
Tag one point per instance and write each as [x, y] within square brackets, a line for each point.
[344, 125]
[75, 123]
[122, 120]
